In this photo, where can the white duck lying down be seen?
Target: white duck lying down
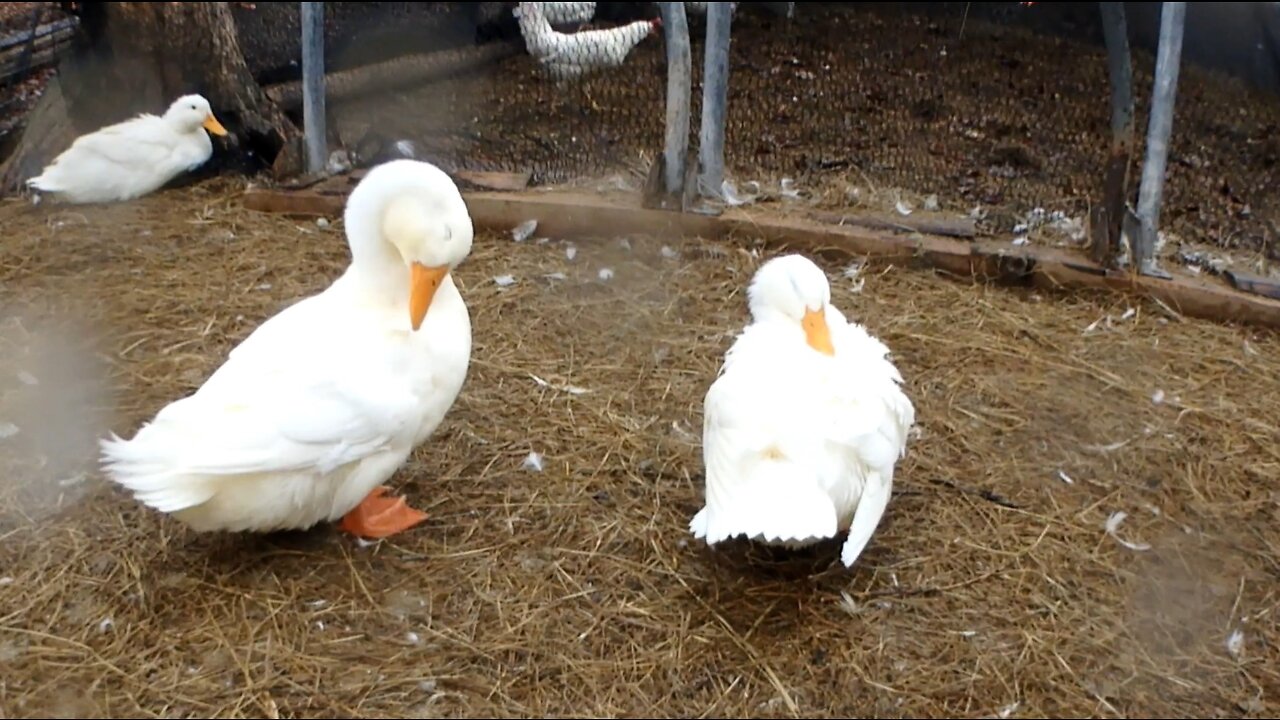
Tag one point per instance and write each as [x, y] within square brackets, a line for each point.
[327, 399]
[135, 157]
[803, 427]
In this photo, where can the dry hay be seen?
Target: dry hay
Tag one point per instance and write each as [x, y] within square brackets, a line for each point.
[990, 590]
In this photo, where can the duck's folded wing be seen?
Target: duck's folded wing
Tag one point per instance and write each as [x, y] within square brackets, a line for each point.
[280, 420]
[870, 412]
[134, 142]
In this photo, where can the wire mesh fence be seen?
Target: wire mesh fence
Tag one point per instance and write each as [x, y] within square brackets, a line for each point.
[559, 92]
[902, 108]
[999, 112]
[994, 110]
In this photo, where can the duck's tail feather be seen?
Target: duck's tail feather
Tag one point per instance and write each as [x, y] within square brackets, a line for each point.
[871, 506]
[777, 503]
[152, 480]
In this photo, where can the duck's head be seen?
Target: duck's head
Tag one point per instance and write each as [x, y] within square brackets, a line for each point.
[792, 289]
[410, 211]
[193, 111]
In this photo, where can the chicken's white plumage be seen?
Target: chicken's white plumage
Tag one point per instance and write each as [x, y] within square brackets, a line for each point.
[567, 13]
[800, 445]
[567, 56]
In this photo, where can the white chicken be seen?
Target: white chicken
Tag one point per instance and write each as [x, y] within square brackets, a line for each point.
[570, 56]
[803, 427]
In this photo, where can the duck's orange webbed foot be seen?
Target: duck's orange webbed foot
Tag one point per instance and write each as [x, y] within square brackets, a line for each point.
[378, 516]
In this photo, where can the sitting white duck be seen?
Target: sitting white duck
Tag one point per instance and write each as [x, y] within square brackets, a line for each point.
[327, 399]
[803, 427]
[135, 157]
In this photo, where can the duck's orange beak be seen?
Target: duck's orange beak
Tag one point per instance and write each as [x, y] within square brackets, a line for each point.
[816, 331]
[212, 125]
[423, 283]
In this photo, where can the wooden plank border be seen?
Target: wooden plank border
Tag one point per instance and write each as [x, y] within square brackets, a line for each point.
[585, 215]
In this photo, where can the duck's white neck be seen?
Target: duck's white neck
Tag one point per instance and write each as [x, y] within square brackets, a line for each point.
[377, 271]
[402, 208]
[379, 278]
[770, 315]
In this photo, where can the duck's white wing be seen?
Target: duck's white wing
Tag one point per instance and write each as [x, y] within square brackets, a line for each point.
[312, 406]
[871, 417]
[289, 420]
[141, 141]
[758, 456]
[873, 412]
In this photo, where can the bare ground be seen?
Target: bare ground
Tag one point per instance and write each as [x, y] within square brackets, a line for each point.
[991, 589]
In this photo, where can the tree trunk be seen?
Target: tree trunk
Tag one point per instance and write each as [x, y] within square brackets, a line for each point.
[138, 57]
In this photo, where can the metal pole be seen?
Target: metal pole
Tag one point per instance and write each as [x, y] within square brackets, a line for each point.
[1116, 179]
[715, 98]
[313, 117]
[679, 88]
[1168, 57]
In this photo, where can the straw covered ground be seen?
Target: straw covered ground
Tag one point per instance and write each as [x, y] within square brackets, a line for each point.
[991, 590]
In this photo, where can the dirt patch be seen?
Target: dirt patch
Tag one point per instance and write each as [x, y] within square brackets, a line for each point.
[991, 589]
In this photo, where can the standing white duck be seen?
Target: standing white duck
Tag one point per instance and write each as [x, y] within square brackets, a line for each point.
[803, 427]
[135, 157]
[327, 399]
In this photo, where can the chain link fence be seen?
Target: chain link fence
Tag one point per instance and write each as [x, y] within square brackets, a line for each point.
[998, 111]
[1001, 113]
[994, 110]
[563, 91]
